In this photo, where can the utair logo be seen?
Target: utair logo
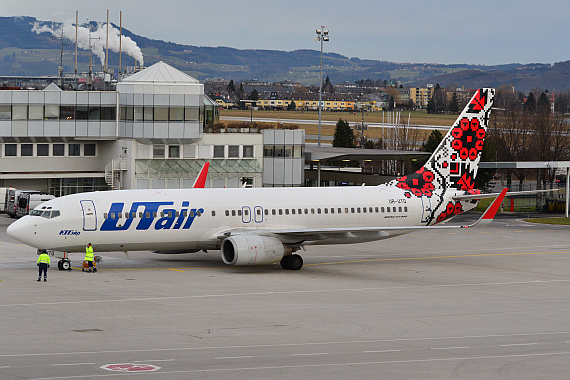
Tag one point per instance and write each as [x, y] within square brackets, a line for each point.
[69, 232]
[148, 213]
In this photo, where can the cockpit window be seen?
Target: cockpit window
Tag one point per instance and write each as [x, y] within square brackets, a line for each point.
[45, 213]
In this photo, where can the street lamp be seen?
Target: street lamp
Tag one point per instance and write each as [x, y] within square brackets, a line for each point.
[322, 35]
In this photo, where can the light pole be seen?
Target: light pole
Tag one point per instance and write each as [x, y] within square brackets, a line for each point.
[322, 35]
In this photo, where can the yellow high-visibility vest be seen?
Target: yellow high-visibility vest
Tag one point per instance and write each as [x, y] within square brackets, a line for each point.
[89, 253]
[44, 259]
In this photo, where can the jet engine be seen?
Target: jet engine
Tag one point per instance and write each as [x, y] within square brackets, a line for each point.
[253, 250]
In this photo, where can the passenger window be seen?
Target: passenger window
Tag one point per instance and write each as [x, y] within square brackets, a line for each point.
[191, 213]
[306, 211]
[352, 210]
[266, 212]
[394, 209]
[112, 215]
[370, 210]
[140, 214]
[273, 212]
[293, 211]
[280, 211]
[246, 212]
[376, 209]
[286, 211]
[364, 210]
[185, 213]
[387, 209]
[318, 211]
[239, 212]
[120, 215]
[332, 210]
[339, 210]
[258, 211]
[161, 214]
[105, 215]
[312, 211]
[213, 213]
[199, 213]
[154, 214]
[177, 214]
[399, 209]
[405, 208]
[147, 214]
[233, 212]
[227, 213]
[299, 211]
[381, 209]
[346, 210]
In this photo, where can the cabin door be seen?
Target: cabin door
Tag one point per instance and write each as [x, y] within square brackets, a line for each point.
[89, 216]
[426, 204]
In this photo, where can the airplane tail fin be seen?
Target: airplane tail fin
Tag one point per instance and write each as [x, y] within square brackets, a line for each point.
[453, 165]
[200, 181]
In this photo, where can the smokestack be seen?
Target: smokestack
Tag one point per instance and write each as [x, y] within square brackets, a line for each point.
[120, 40]
[107, 44]
[76, 28]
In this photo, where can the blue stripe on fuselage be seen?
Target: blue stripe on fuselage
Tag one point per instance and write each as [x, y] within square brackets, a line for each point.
[149, 209]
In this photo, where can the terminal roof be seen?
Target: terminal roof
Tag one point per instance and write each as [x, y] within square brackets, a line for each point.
[327, 153]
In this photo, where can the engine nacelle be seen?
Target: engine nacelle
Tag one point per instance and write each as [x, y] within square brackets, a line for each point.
[252, 250]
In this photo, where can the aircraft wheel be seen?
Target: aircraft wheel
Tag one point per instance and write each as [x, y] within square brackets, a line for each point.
[295, 262]
[60, 265]
[65, 265]
[285, 262]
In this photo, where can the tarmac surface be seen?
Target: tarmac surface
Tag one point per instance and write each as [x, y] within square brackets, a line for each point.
[489, 303]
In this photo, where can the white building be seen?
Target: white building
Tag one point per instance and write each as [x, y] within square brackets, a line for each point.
[149, 133]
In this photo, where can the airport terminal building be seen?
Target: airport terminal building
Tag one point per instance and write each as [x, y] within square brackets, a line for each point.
[151, 132]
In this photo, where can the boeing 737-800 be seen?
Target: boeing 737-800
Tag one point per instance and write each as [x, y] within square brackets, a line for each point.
[268, 225]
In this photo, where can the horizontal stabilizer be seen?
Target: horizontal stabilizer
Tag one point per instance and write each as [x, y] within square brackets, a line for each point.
[493, 195]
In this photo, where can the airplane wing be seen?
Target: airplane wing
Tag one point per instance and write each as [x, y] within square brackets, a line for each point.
[314, 234]
[493, 195]
[200, 181]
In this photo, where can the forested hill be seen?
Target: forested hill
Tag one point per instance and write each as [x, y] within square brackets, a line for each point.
[24, 52]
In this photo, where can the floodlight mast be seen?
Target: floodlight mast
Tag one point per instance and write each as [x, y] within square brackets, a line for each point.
[322, 36]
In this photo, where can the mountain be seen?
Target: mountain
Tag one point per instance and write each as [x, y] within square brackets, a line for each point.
[24, 52]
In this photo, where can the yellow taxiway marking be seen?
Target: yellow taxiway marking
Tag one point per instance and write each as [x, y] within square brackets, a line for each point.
[437, 257]
[348, 261]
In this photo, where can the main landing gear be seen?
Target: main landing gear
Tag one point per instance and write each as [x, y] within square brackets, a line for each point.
[292, 262]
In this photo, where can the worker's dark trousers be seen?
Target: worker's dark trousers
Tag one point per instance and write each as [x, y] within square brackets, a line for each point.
[43, 268]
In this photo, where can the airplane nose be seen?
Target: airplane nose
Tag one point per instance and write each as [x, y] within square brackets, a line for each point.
[20, 230]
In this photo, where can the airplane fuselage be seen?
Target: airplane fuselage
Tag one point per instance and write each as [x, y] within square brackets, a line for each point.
[194, 219]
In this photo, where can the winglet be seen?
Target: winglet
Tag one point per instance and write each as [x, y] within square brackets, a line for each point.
[491, 211]
[201, 180]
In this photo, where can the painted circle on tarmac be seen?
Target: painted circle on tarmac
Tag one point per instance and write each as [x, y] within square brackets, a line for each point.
[130, 367]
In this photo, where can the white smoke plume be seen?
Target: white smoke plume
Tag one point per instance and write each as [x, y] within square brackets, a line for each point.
[98, 39]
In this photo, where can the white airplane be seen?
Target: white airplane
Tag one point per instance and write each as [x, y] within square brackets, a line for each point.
[268, 225]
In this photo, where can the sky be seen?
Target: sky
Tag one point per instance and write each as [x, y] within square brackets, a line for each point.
[484, 32]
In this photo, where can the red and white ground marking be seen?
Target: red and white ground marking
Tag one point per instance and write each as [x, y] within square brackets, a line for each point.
[130, 367]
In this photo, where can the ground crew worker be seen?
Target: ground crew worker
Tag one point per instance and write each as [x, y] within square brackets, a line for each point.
[89, 256]
[43, 264]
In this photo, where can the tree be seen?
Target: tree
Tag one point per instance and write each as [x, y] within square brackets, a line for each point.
[343, 135]
[254, 95]
[292, 106]
[328, 87]
[543, 105]
[439, 99]
[433, 141]
[454, 104]
[530, 104]
[231, 87]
